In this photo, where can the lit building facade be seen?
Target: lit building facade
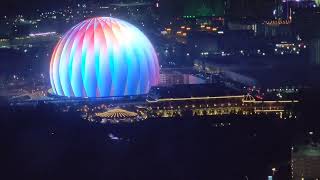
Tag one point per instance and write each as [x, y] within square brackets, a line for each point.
[217, 106]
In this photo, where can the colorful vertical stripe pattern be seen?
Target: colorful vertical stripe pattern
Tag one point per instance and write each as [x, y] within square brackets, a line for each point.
[102, 57]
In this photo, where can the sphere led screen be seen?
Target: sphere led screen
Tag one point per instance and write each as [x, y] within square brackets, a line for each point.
[103, 57]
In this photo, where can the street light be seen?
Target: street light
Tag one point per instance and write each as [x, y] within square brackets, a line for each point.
[273, 171]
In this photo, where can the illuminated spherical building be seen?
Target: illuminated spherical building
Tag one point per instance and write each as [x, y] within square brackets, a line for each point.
[102, 57]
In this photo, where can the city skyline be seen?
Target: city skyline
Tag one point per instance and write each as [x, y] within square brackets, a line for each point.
[160, 89]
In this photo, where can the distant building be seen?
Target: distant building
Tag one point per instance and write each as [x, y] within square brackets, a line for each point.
[306, 162]
[175, 77]
[305, 22]
[34, 39]
[242, 26]
[315, 51]
[275, 28]
[4, 42]
[287, 8]
[176, 101]
[230, 71]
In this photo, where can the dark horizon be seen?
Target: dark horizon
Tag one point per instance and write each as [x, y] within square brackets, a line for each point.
[256, 8]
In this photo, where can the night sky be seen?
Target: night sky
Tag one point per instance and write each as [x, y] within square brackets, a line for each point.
[171, 7]
[12, 7]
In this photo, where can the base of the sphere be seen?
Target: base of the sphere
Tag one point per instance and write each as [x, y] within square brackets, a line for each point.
[51, 94]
